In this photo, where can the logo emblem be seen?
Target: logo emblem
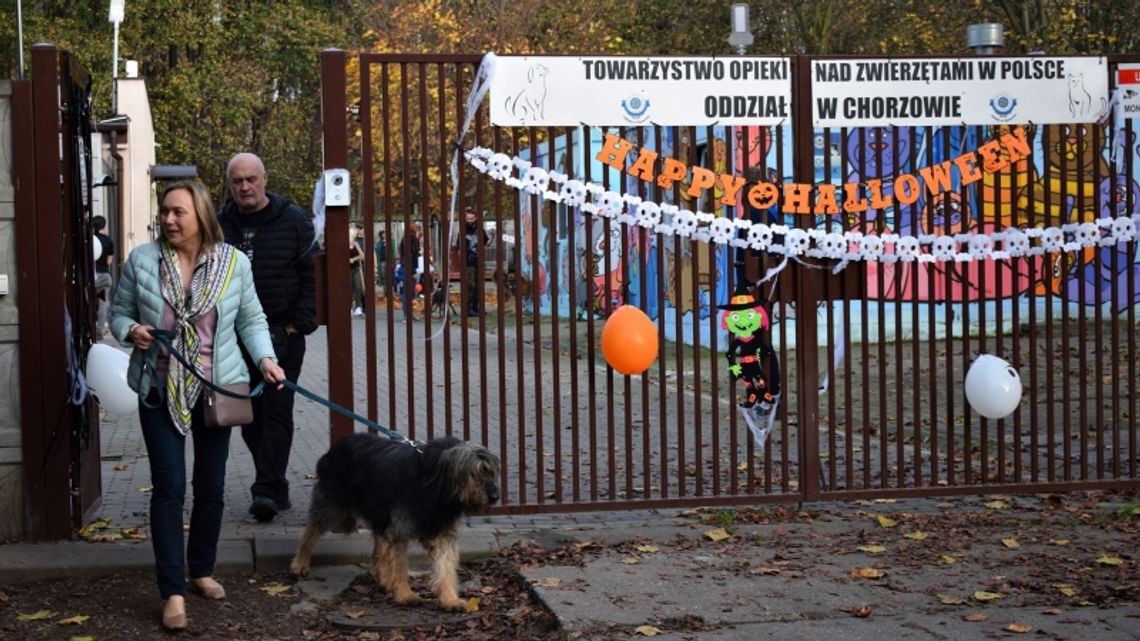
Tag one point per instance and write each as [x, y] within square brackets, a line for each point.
[636, 109]
[1003, 107]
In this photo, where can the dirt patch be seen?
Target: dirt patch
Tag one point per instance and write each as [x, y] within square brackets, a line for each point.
[267, 607]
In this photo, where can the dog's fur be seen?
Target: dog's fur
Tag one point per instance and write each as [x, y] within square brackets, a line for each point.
[403, 493]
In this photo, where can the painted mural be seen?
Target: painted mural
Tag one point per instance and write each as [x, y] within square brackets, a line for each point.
[613, 264]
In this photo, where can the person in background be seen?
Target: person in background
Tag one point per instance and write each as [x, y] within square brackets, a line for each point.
[381, 249]
[102, 274]
[410, 259]
[277, 237]
[356, 269]
[201, 289]
[475, 238]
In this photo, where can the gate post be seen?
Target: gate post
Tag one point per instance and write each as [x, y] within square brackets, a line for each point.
[334, 123]
[806, 295]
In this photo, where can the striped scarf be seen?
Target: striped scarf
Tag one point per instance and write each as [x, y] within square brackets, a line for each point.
[211, 277]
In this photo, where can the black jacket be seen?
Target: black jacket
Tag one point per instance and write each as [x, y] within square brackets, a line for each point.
[282, 262]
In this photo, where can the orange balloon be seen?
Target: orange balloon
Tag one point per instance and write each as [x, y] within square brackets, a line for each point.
[629, 340]
[419, 288]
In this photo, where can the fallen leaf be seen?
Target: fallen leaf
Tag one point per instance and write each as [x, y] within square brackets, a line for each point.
[1019, 628]
[75, 620]
[145, 488]
[886, 521]
[310, 477]
[647, 630]
[275, 589]
[91, 528]
[471, 605]
[975, 618]
[647, 549]
[42, 615]
[886, 500]
[867, 573]
[631, 560]
[947, 559]
[81, 639]
[997, 505]
[133, 533]
[356, 614]
[872, 549]
[861, 611]
[109, 537]
[121, 467]
[1011, 543]
[1066, 589]
[1107, 559]
[549, 582]
[765, 570]
[1053, 611]
[1058, 541]
[946, 599]
[984, 596]
[717, 535]
[918, 535]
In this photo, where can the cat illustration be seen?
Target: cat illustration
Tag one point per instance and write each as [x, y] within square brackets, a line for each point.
[1080, 101]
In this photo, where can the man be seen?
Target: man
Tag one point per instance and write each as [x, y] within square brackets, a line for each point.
[102, 273]
[474, 239]
[278, 237]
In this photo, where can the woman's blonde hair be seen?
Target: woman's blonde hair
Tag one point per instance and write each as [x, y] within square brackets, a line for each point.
[203, 207]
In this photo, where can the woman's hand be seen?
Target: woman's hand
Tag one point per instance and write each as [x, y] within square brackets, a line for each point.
[271, 371]
[140, 335]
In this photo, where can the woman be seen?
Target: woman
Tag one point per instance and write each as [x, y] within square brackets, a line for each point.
[356, 269]
[192, 283]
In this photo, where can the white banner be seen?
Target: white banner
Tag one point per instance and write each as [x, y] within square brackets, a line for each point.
[1128, 84]
[539, 91]
[979, 90]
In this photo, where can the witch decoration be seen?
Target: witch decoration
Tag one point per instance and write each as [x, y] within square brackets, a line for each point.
[745, 319]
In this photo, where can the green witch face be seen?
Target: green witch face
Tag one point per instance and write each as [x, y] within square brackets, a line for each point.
[744, 322]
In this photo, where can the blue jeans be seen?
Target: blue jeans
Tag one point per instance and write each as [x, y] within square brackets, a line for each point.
[166, 451]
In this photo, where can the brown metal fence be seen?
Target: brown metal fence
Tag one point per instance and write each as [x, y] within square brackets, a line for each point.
[873, 357]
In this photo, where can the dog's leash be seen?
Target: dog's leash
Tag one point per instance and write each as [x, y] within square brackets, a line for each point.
[165, 336]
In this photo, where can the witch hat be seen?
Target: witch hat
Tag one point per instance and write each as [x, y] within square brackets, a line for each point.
[742, 298]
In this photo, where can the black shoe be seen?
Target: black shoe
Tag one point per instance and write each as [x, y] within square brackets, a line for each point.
[284, 505]
[263, 508]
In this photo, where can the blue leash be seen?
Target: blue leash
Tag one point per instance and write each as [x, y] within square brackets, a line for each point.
[164, 336]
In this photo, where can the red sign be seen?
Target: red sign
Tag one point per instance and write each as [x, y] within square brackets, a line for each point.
[1128, 76]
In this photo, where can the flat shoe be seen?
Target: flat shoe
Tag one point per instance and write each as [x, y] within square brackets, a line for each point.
[208, 588]
[174, 615]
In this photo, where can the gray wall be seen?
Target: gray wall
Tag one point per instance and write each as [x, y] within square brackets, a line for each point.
[11, 471]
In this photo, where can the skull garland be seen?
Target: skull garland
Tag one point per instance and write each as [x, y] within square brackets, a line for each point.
[573, 193]
[536, 181]
[499, 166]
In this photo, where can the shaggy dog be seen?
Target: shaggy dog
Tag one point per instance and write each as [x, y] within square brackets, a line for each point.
[403, 492]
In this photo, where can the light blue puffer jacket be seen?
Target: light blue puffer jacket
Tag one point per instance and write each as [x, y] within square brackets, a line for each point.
[139, 300]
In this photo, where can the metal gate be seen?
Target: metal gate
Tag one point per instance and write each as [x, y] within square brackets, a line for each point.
[55, 293]
[873, 357]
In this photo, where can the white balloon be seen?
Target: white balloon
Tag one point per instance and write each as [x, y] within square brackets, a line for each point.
[96, 247]
[993, 387]
[107, 378]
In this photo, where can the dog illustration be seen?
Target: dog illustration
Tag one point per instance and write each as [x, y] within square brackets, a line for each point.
[403, 492]
[529, 104]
